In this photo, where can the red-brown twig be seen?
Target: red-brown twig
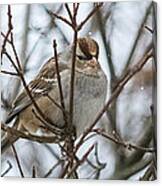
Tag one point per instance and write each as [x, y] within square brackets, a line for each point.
[70, 140]
[69, 12]
[28, 136]
[59, 82]
[18, 162]
[10, 27]
[75, 9]
[4, 36]
[15, 53]
[63, 173]
[57, 104]
[71, 100]
[57, 131]
[94, 10]
[61, 18]
[127, 145]
[80, 162]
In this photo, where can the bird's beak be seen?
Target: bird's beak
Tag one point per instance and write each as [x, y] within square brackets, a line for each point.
[93, 63]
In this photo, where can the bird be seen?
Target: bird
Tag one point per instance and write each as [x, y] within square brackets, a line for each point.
[90, 87]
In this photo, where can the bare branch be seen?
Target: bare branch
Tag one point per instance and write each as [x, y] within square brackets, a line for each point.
[52, 168]
[28, 136]
[69, 12]
[7, 170]
[80, 161]
[9, 73]
[18, 162]
[138, 36]
[126, 145]
[59, 82]
[34, 172]
[10, 27]
[95, 9]
[60, 18]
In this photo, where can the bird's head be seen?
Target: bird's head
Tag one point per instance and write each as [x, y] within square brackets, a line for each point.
[87, 52]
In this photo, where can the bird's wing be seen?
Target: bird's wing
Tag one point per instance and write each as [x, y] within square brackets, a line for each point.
[40, 86]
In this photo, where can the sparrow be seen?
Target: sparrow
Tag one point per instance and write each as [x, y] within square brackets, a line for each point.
[90, 87]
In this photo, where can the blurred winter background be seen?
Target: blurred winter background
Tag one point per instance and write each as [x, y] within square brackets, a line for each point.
[119, 28]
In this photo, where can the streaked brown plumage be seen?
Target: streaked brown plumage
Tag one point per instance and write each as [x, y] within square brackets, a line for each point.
[89, 91]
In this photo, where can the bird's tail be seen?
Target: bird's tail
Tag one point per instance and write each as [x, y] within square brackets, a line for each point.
[7, 140]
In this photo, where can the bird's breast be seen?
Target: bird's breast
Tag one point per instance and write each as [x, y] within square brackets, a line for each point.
[89, 98]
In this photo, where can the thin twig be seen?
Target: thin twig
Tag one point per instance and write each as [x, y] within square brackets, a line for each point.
[52, 168]
[70, 140]
[127, 145]
[106, 44]
[80, 162]
[57, 104]
[99, 167]
[18, 162]
[60, 18]
[15, 53]
[56, 131]
[137, 37]
[94, 10]
[72, 81]
[28, 136]
[7, 170]
[75, 8]
[9, 73]
[59, 82]
[10, 27]
[5, 36]
[63, 173]
[34, 172]
[69, 12]
[149, 29]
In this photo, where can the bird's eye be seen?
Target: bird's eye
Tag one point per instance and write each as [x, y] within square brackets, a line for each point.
[84, 57]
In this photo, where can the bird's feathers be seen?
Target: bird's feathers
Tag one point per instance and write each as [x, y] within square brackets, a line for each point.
[40, 86]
